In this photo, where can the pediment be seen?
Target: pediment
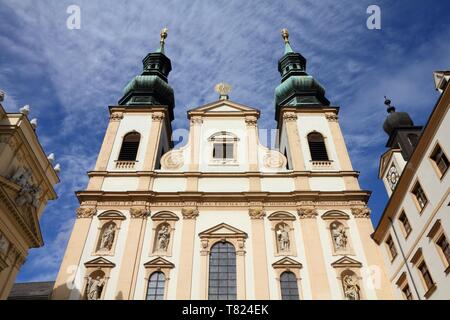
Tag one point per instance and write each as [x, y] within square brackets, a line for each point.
[335, 214]
[281, 215]
[164, 216]
[223, 107]
[113, 215]
[99, 263]
[222, 230]
[287, 262]
[346, 262]
[159, 263]
[25, 215]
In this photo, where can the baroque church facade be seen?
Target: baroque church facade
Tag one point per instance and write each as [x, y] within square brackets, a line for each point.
[223, 217]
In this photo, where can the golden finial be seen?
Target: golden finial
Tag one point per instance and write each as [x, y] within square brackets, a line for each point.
[285, 34]
[223, 89]
[163, 35]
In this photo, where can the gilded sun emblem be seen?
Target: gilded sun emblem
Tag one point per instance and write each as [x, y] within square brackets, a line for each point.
[222, 88]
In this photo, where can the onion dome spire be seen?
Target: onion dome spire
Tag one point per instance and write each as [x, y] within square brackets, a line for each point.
[151, 86]
[395, 120]
[297, 87]
[403, 134]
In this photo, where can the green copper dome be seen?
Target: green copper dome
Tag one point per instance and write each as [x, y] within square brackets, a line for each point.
[297, 88]
[151, 86]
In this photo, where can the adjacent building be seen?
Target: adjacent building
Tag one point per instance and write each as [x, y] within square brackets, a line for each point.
[415, 226]
[223, 217]
[27, 179]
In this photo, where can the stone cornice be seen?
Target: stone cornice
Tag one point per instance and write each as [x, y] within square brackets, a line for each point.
[245, 174]
[342, 199]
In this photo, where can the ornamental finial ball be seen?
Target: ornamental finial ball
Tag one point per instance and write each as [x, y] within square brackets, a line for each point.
[285, 34]
[163, 34]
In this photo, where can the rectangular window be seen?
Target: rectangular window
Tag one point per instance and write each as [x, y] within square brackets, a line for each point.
[420, 196]
[223, 151]
[443, 245]
[426, 275]
[391, 246]
[405, 223]
[440, 159]
[407, 292]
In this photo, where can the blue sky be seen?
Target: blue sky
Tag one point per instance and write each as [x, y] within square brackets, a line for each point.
[69, 77]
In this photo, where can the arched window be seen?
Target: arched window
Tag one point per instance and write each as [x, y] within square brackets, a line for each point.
[224, 146]
[289, 287]
[130, 145]
[155, 290]
[317, 147]
[222, 272]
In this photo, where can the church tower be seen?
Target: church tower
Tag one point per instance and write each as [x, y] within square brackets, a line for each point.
[223, 217]
[403, 139]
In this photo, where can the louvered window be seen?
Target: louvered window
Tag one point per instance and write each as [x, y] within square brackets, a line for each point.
[130, 146]
[317, 147]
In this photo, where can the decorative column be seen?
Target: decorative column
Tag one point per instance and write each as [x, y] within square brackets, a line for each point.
[252, 151]
[314, 254]
[372, 252]
[351, 182]
[72, 259]
[8, 275]
[132, 254]
[108, 141]
[258, 236]
[295, 148]
[95, 182]
[184, 285]
[204, 268]
[240, 269]
[146, 182]
[194, 139]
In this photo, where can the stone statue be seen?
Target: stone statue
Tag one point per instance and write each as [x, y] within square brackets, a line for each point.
[339, 236]
[108, 238]
[21, 176]
[163, 238]
[25, 195]
[29, 194]
[36, 194]
[351, 288]
[4, 243]
[94, 288]
[283, 237]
